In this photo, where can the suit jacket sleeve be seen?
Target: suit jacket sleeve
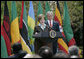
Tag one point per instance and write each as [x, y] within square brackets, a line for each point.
[36, 29]
[56, 26]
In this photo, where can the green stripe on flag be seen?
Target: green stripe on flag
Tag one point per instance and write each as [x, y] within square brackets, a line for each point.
[47, 8]
[40, 9]
[4, 53]
[13, 16]
[66, 24]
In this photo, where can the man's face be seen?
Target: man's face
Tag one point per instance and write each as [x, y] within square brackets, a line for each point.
[49, 16]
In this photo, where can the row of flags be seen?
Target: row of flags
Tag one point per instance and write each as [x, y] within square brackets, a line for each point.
[13, 31]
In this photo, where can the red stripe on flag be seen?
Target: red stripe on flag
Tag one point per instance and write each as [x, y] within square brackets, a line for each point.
[63, 34]
[7, 41]
[72, 42]
[21, 17]
[56, 19]
[61, 48]
[6, 23]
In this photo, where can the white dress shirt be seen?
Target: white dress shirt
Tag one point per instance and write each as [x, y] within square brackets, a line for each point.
[42, 26]
[51, 22]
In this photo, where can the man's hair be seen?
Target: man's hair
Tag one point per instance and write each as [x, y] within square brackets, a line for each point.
[50, 12]
[61, 54]
[45, 52]
[73, 50]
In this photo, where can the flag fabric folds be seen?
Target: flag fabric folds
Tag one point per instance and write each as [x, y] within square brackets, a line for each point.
[31, 25]
[57, 15]
[67, 26]
[4, 53]
[62, 45]
[40, 9]
[6, 21]
[58, 18]
[5, 29]
[7, 41]
[24, 30]
[61, 42]
[15, 34]
[47, 8]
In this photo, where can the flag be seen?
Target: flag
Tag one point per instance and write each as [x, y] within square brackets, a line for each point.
[24, 30]
[61, 42]
[62, 45]
[4, 53]
[40, 10]
[67, 26]
[47, 8]
[58, 18]
[6, 21]
[5, 29]
[7, 41]
[31, 25]
[15, 34]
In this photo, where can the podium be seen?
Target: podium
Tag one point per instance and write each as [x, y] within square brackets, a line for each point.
[48, 37]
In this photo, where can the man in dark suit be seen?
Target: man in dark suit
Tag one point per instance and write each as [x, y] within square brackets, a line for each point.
[54, 26]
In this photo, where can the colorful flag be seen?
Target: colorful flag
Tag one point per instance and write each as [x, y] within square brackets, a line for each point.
[57, 18]
[5, 29]
[4, 53]
[62, 45]
[40, 11]
[57, 15]
[31, 25]
[61, 42]
[15, 34]
[6, 21]
[67, 26]
[24, 30]
[47, 8]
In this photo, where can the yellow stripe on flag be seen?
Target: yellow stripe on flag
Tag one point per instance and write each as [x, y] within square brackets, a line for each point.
[61, 42]
[25, 47]
[57, 13]
[31, 22]
[37, 23]
[31, 41]
[15, 35]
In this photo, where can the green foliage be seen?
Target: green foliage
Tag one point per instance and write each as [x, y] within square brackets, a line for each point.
[75, 11]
